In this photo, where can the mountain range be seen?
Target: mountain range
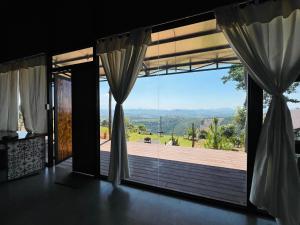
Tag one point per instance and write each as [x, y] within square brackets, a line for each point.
[190, 113]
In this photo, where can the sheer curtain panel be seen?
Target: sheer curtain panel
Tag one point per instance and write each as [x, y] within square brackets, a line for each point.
[122, 58]
[266, 38]
[33, 94]
[8, 100]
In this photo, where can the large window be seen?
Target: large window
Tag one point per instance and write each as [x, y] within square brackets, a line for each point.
[185, 117]
[107, 105]
[185, 132]
[293, 96]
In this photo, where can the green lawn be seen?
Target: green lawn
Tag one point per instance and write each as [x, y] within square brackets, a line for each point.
[165, 138]
[103, 129]
[134, 137]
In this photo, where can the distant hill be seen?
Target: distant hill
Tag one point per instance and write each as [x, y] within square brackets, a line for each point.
[174, 121]
[189, 113]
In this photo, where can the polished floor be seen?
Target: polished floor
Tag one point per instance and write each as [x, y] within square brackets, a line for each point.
[56, 197]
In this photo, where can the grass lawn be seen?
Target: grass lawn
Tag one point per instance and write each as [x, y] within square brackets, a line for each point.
[103, 130]
[165, 138]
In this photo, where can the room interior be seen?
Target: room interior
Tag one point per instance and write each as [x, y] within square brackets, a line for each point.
[73, 151]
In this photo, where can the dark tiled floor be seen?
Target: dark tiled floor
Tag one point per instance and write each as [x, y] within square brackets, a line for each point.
[54, 197]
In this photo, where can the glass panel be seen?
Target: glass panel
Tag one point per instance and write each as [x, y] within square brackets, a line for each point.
[143, 131]
[106, 116]
[293, 95]
[293, 100]
[203, 123]
[185, 131]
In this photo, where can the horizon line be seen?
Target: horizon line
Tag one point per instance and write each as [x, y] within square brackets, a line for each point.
[178, 108]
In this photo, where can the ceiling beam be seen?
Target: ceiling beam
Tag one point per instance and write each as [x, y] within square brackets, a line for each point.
[194, 51]
[201, 62]
[184, 37]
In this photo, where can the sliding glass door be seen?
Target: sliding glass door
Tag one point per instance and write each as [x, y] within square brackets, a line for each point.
[185, 116]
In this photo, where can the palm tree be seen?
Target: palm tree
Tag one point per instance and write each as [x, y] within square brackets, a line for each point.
[214, 136]
[215, 132]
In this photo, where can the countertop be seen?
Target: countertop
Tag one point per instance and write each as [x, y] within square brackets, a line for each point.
[10, 136]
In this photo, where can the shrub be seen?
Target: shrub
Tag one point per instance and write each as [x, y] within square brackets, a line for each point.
[220, 137]
[202, 134]
[174, 141]
[214, 136]
[104, 123]
[228, 130]
[226, 144]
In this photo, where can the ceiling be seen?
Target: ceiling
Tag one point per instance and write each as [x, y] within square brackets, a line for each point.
[184, 48]
[31, 27]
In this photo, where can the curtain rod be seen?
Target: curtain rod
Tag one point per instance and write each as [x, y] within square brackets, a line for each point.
[156, 26]
[23, 58]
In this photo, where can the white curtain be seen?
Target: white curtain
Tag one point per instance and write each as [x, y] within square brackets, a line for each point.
[9, 100]
[122, 59]
[266, 38]
[33, 94]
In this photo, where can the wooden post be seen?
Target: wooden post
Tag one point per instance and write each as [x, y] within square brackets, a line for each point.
[109, 115]
[49, 111]
[97, 102]
[193, 135]
[160, 126]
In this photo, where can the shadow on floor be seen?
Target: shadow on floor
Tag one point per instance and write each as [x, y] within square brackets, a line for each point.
[65, 177]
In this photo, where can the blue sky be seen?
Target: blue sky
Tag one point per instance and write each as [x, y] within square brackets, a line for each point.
[198, 90]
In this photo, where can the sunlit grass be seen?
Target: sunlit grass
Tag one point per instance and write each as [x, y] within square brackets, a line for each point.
[156, 138]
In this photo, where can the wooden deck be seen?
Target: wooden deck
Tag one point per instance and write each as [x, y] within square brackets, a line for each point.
[209, 173]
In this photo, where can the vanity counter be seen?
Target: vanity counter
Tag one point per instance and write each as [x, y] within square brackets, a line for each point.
[21, 154]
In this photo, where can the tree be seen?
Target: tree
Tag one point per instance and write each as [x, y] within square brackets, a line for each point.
[228, 130]
[128, 127]
[189, 132]
[104, 123]
[214, 135]
[221, 137]
[240, 118]
[174, 141]
[142, 128]
[236, 74]
[201, 134]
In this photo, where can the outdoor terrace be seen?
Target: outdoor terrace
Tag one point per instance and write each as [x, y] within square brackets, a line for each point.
[216, 174]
